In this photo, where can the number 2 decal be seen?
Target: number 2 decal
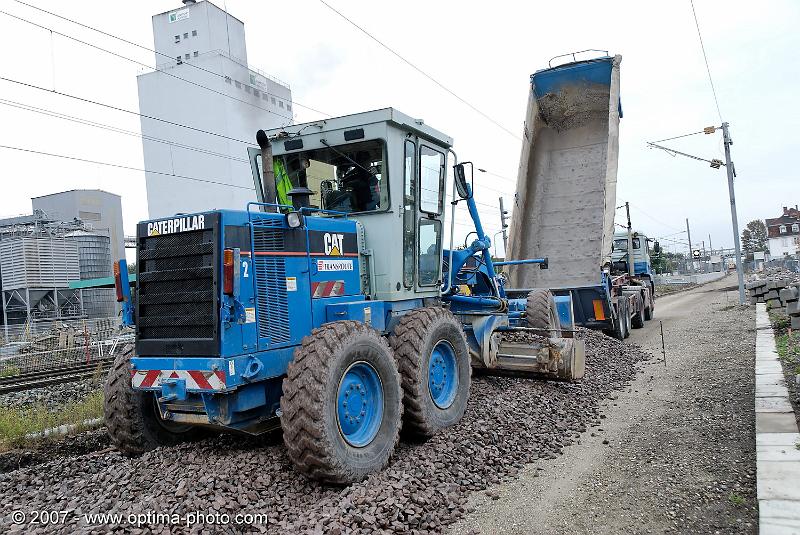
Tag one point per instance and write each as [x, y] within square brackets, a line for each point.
[244, 268]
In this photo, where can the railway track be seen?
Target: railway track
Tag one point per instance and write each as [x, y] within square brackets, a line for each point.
[42, 378]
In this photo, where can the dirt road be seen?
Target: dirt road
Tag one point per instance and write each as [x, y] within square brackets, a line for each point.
[674, 453]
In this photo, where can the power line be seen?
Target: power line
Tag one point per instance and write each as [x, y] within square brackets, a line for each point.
[120, 166]
[705, 57]
[124, 110]
[156, 69]
[111, 128]
[419, 70]
[644, 213]
[144, 47]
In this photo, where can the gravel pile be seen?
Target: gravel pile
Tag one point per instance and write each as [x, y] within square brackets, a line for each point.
[51, 397]
[47, 450]
[509, 422]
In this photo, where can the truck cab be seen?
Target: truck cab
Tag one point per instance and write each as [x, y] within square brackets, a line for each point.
[641, 253]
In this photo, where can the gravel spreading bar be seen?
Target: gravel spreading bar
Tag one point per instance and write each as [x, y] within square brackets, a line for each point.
[509, 422]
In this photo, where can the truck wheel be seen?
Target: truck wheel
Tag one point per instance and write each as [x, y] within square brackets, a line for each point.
[541, 312]
[434, 364]
[650, 309]
[637, 322]
[620, 323]
[627, 318]
[342, 403]
[132, 418]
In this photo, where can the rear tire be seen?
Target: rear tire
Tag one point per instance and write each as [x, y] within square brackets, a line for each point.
[435, 370]
[637, 322]
[341, 363]
[542, 314]
[132, 419]
[620, 324]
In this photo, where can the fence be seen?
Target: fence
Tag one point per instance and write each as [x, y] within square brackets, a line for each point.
[63, 345]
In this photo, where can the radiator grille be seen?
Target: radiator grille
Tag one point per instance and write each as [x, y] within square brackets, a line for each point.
[271, 300]
[176, 286]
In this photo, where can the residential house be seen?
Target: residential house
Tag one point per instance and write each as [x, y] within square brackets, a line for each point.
[784, 233]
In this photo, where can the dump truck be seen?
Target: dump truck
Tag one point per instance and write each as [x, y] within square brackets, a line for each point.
[566, 195]
[337, 317]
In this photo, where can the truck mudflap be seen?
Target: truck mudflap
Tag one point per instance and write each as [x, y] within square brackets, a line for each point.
[559, 358]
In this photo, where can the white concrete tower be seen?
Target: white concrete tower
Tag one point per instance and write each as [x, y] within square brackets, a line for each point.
[203, 80]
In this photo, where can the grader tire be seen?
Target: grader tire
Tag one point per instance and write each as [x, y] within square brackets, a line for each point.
[133, 422]
[326, 439]
[541, 313]
[434, 363]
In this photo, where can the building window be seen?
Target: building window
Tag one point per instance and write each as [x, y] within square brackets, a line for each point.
[238, 85]
[227, 79]
[196, 53]
[186, 35]
[179, 60]
[177, 38]
[256, 93]
[785, 242]
[247, 88]
[280, 103]
[194, 33]
[795, 227]
[783, 229]
[89, 216]
[264, 96]
[186, 56]
[273, 101]
[289, 107]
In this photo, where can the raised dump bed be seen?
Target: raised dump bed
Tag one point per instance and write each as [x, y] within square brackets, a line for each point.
[567, 178]
[566, 196]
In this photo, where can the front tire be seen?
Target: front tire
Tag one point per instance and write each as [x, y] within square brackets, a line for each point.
[342, 403]
[131, 416]
[435, 370]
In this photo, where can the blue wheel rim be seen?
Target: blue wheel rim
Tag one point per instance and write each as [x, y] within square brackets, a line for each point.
[443, 374]
[359, 404]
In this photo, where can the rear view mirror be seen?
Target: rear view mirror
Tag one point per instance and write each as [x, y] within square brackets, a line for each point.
[462, 186]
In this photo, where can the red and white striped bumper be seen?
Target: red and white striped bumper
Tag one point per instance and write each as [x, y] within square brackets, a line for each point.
[195, 379]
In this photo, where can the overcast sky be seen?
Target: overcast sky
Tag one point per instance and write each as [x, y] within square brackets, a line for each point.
[485, 52]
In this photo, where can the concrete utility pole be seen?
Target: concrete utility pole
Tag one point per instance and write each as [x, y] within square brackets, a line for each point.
[504, 226]
[630, 240]
[734, 219]
[691, 252]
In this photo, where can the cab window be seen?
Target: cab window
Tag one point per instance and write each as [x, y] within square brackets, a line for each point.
[344, 178]
[431, 180]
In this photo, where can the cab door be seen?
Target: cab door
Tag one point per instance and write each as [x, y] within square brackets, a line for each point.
[430, 172]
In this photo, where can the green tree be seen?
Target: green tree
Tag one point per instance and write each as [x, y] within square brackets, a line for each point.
[754, 236]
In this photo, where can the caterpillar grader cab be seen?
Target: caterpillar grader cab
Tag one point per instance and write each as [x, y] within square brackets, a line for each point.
[338, 316]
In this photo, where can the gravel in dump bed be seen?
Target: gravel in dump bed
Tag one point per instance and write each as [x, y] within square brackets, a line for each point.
[509, 422]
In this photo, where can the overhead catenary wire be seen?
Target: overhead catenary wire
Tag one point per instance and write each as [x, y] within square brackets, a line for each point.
[111, 128]
[124, 110]
[121, 166]
[705, 57]
[145, 47]
[422, 72]
[678, 137]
